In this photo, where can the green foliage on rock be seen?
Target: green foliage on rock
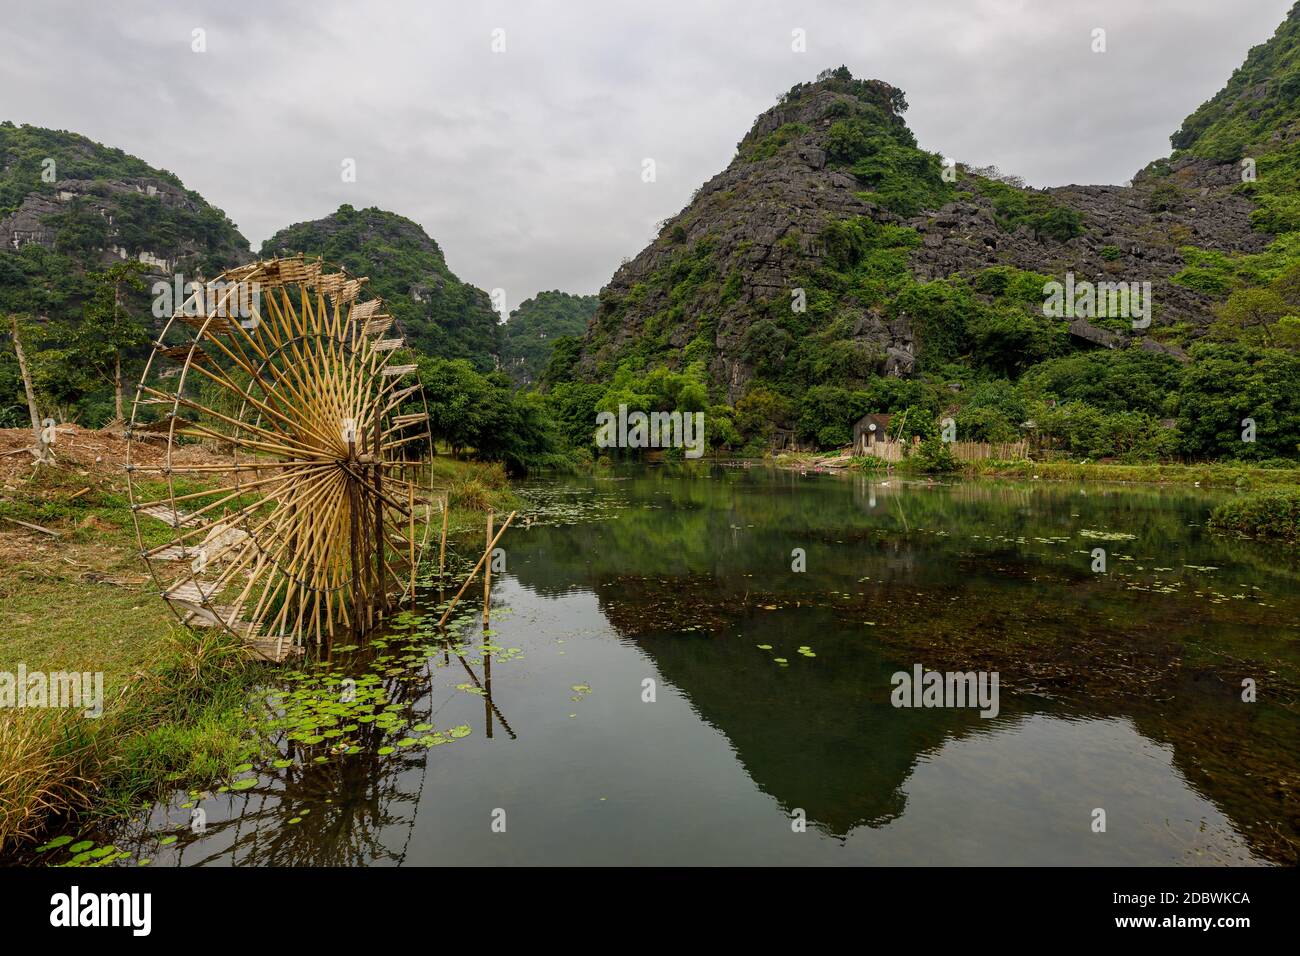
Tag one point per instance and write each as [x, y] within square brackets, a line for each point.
[536, 326]
[771, 144]
[440, 315]
[1036, 211]
[1261, 98]
[76, 210]
[92, 197]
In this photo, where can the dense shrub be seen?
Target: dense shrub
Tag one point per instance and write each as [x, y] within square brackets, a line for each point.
[1228, 384]
[1262, 514]
[827, 414]
[1113, 381]
[934, 457]
[1037, 211]
[1083, 430]
[468, 410]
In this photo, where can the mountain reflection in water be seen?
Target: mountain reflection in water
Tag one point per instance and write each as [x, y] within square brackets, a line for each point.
[1119, 691]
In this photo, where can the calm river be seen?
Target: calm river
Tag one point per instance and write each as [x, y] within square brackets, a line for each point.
[662, 685]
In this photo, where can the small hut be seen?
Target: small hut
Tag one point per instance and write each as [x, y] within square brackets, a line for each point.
[870, 430]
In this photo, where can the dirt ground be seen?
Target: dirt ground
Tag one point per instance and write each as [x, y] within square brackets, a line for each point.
[88, 463]
[98, 453]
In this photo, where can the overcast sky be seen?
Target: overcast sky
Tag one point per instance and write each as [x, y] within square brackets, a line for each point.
[525, 165]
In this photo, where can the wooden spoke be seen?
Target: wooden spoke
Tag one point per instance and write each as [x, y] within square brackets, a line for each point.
[308, 515]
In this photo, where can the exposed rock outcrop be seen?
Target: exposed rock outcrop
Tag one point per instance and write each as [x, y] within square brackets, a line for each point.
[67, 193]
[764, 216]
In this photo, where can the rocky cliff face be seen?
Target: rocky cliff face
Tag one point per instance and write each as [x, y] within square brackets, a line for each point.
[761, 219]
[66, 193]
[764, 232]
[439, 314]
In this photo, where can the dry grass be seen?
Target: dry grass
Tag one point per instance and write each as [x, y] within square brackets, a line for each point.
[179, 718]
[40, 763]
[471, 495]
[472, 486]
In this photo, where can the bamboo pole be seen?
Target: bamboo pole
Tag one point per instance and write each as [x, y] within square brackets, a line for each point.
[410, 500]
[487, 678]
[446, 657]
[442, 545]
[446, 614]
[487, 575]
[487, 606]
[380, 590]
[354, 544]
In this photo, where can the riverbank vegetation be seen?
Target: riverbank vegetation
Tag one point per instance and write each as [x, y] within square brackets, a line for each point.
[74, 596]
[1263, 514]
[1205, 474]
[75, 599]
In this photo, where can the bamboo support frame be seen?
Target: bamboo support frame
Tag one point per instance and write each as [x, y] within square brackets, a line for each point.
[491, 544]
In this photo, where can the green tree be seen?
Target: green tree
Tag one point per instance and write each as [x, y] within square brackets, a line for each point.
[1253, 312]
[573, 406]
[827, 414]
[1228, 384]
[109, 330]
[457, 396]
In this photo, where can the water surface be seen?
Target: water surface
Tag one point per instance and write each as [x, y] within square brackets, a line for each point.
[1119, 690]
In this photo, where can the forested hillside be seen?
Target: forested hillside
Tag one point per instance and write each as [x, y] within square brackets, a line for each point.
[440, 315]
[83, 226]
[536, 326]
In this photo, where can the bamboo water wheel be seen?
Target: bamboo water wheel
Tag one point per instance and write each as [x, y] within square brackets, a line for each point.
[312, 516]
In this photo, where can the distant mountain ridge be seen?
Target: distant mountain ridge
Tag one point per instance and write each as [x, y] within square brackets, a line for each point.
[535, 327]
[69, 204]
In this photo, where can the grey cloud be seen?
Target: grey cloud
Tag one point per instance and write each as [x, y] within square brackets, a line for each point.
[525, 166]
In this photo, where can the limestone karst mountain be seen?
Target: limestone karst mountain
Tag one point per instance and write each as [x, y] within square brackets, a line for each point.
[535, 327]
[833, 250]
[89, 205]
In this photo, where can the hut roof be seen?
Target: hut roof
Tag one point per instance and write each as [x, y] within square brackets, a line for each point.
[881, 421]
